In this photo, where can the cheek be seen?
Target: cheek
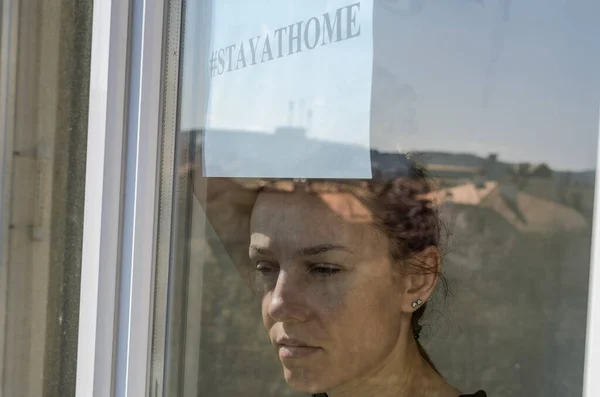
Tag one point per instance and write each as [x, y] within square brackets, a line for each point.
[329, 298]
[352, 300]
[367, 313]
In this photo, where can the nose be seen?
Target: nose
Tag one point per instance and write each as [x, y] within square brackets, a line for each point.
[288, 300]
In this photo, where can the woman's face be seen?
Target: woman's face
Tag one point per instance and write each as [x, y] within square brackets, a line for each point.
[331, 300]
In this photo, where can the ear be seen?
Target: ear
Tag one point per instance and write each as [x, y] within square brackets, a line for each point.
[421, 277]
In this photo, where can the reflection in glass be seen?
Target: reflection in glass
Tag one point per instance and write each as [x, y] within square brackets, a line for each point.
[512, 178]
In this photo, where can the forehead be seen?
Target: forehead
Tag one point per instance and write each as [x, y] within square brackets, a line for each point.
[302, 219]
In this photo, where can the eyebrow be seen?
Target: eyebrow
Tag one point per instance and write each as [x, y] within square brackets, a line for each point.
[308, 251]
[260, 250]
[321, 249]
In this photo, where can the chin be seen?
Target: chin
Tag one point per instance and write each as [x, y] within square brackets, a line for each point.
[306, 381]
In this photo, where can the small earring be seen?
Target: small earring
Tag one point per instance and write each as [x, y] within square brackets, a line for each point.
[416, 303]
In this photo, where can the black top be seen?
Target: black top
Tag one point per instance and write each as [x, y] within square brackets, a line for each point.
[480, 393]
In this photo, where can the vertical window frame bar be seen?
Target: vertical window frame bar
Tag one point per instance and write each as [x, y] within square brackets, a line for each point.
[105, 161]
[591, 380]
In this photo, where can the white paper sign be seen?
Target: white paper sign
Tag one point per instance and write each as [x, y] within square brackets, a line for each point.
[290, 89]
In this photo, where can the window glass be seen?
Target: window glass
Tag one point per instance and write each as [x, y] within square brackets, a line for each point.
[44, 77]
[380, 196]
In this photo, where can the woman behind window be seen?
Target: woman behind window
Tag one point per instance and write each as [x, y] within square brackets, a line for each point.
[344, 272]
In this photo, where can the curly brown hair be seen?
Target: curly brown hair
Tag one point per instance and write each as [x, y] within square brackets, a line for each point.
[404, 211]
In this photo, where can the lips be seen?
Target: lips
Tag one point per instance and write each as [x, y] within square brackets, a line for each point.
[291, 342]
[293, 348]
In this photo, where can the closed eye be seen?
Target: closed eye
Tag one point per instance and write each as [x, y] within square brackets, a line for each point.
[324, 269]
[266, 268]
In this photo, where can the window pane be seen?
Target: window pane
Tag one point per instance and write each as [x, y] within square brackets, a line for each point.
[449, 147]
[44, 78]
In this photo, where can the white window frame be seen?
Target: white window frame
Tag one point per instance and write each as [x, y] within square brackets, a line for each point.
[120, 217]
[591, 386]
[120, 199]
[103, 191]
